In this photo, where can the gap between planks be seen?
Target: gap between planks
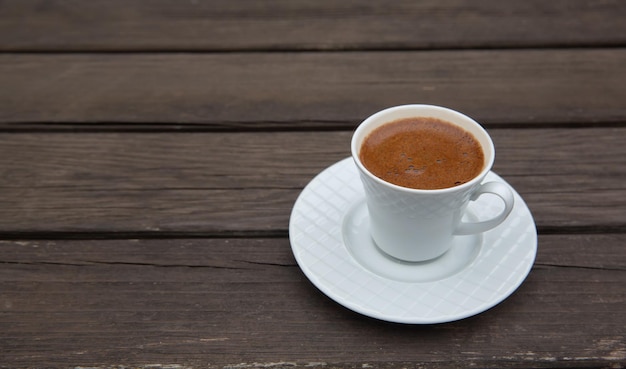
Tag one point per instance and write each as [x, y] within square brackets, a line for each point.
[266, 126]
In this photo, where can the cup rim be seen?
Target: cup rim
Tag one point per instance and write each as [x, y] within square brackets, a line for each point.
[440, 110]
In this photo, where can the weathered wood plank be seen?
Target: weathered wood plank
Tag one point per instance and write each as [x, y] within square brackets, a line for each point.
[205, 183]
[198, 302]
[308, 90]
[119, 25]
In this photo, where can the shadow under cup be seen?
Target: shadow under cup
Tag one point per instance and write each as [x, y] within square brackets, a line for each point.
[415, 224]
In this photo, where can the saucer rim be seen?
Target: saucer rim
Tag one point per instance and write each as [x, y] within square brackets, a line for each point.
[522, 274]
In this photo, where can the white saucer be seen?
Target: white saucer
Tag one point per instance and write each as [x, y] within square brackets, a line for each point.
[329, 237]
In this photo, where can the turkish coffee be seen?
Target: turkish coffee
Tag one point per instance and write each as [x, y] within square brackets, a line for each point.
[422, 153]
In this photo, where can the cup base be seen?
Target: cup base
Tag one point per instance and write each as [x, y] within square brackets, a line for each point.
[412, 262]
[363, 249]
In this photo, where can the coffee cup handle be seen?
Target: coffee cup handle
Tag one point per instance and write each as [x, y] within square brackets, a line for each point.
[498, 189]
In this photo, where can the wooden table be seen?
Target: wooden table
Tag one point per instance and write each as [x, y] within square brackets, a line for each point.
[151, 153]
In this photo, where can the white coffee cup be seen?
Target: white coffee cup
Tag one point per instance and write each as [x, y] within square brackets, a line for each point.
[418, 225]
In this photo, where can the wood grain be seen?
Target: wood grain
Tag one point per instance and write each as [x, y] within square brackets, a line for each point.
[119, 25]
[151, 153]
[308, 90]
[198, 302]
[220, 183]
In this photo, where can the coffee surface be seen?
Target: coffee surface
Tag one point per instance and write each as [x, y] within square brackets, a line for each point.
[422, 153]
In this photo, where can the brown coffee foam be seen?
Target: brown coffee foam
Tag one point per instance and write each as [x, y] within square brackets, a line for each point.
[422, 153]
